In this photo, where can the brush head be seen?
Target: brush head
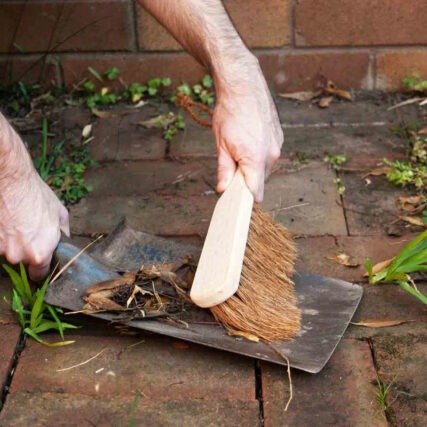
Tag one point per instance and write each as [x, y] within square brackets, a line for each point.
[265, 303]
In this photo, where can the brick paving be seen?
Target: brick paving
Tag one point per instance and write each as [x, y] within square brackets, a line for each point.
[167, 189]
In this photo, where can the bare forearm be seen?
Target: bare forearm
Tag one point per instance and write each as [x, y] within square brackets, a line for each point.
[206, 32]
[14, 158]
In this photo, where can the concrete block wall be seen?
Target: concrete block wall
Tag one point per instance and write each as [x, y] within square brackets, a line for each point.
[358, 44]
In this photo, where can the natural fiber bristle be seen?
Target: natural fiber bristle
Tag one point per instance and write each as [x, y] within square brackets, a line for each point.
[265, 303]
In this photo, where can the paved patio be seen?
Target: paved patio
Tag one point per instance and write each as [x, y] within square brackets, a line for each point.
[166, 188]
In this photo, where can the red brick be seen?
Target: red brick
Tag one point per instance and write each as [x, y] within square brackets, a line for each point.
[372, 209]
[155, 367]
[138, 178]
[135, 68]
[64, 410]
[360, 22]
[195, 141]
[7, 316]
[401, 365]
[340, 395]
[260, 24]
[30, 70]
[392, 67]
[304, 200]
[302, 71]
[165, 215]
[313, 253]
[390, 302]
[64, 26]
[152, 35]
[121, 138]
[9, 338]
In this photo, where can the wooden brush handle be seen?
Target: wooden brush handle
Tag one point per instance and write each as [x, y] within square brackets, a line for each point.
[220, 266]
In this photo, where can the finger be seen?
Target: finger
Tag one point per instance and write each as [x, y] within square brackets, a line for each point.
[271, 160]
[254, 178]
[39, 271]
[226, 170]
[64, 223]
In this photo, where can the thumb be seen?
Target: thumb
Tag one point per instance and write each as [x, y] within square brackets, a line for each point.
[254, 178]
[39, 271]
[226, 170]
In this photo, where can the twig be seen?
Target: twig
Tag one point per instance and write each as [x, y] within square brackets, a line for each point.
[403, 103]
[82, 363]
[73, 259]
[289, 207]
[284, 357]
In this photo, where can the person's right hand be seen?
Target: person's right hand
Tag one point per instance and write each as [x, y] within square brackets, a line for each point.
[31, 216]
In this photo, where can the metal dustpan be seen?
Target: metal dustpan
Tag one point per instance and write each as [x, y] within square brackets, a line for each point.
[327, 304]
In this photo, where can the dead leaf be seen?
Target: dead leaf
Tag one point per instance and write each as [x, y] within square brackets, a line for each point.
[87, 130]
[380, 266]
[422, 131]
[104, 91]
[301, 96]
[414, 220]
[379, 171]
[331, 89]
[247, 335]
[162, 120]
[180, 345]
[102, 114]
[409, 204]
[344, 260]
[325, 101]
[380, 323]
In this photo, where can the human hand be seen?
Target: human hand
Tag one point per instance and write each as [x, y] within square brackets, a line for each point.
[31, 216]
[247, 132]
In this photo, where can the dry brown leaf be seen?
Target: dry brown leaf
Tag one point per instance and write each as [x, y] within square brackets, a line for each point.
[162, 120]
[325, 101]
[380, 323]
[103, 114]
[380, 266]
[422, 131]
[414, 220]
[379, 171]
[344, 260]
[331, 89]
[247, 335]
[87, 130]
[301, 96]
[409, 204]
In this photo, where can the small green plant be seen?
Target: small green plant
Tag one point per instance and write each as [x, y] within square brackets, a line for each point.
[382, 393]
[340, 186]
[34, 315]
[135, 91]
[112, 73]
[411, 259]
[414, 83]
[335, 160]
[63, 172]
[407, 173]
[202, 92]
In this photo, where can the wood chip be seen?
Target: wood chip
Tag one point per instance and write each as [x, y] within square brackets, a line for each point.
[380, 323]
[343, 259]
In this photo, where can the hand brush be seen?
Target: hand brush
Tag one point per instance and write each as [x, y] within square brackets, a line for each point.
[244, 272]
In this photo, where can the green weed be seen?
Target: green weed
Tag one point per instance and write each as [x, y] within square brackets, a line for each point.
[202, 92]
[414, 83]
[382, 393]
[335, 160]
[411, 259]
[63, 172]
[34, 315]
